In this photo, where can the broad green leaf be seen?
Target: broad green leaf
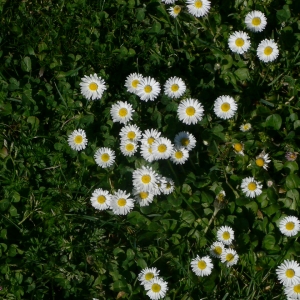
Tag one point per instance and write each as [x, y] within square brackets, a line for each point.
[274, 121]
[4, 205]
[26, 64]
[188, 217]
[269, 242]
[34, 121]
[292, 181]
[242, 74]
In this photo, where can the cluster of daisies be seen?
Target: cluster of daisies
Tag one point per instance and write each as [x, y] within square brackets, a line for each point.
[202, 266]
[155, 286]
[288, 274]
[239, 41]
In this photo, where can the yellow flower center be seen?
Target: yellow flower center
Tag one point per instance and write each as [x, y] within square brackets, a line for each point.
[149, 276]
[218, 250]
[238, 147]
[150, 140]
[185, 141]
[144, 195]
[78, 139]
[93, 86]
[105, 157]
[122, 202]
[246, 127]
[168, 186]
[135, 83]
[156, 288]
[229, 257]
[147, 89]
[129, 147]
[150, 150]
[190, 111]
[146, 178]
[226, 235]
[290, 225]
[178, 154]
[239, 42]
[256, 21]
[176, 9]
[260, 162]
[268, 50]
[174, 87]
[101, 199]
[201, 264]
[297, 288]
[131, 135]
[252, 186]
[198, 4]
[290, 273]
[123, 112]
[162, 148]
[225, 106]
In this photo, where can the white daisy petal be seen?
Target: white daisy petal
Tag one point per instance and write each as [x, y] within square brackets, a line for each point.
[225, 234]
[229, 257]
[104, 157]
[77, 140]
[256, 21]
[202, 266]
[185, 139]
[174, 87]
[216, 249]
[121, 112]
[198, 8]
[267, 51]
[132, 82]
[101, 199]
[288, 273]
[239, 42]
[92, 87]
[147, 274]
[190, 111]
[156, 288]
[168, 1]
[251, 187]
[225, 107]
[262, 160]
[289, 226]
[148, 89]
[162, 148]
[120, 203]
[174, 11]
[147, 153]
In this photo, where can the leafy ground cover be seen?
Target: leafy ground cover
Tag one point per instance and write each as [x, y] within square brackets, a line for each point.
[54, 243]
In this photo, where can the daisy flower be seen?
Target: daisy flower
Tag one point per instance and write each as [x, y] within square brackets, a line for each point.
[225, 107]
[167, 187]
[121, 112]
[147, 274]
[132, 82]
[174, 87]
[267, 50]
[291, 156]
[130, 132]
[92, 87]
[77, 140]
[104, 157]
[148, 89]
[120, 203]
[293, 292]
[168, 1]
[101, 199]
[185, 139]
[144, 198]
[216, 249]
[238, 148]
[162, 148]
[147, 154]
[198, 8]
[225, 235]
[289, 226]
[220, 197]
[256, 21]
[190, 111]
[202, 266]
[149, 136]
[239, 42]
[179, 156]
[174, 11]
[145, 179]
[262, 160]
[156, 288]
[128, 148]
[251, 187]
[229, 257]
[245, 127]
[288, 273]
